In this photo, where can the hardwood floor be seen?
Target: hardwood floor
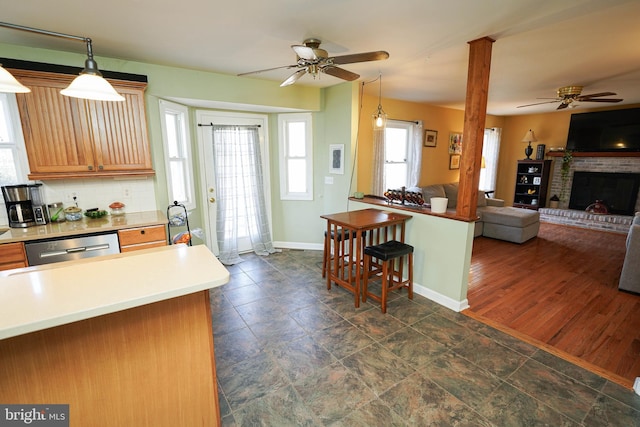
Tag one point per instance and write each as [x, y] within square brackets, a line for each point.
[561, 290]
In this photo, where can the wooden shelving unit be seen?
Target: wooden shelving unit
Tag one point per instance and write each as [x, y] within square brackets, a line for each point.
[532, 179]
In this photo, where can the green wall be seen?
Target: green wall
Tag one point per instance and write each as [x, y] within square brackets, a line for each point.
[171, 82]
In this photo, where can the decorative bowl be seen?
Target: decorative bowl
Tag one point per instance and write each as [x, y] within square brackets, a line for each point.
[73, 213]
[95, 214]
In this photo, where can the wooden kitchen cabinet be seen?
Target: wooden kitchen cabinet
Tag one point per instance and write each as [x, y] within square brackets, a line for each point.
[133, 239]
[12, 255]
[76, 138]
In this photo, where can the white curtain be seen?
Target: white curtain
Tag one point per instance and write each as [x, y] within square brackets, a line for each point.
[414, 160]
[378, 162]
[490, 153]
[240, 198]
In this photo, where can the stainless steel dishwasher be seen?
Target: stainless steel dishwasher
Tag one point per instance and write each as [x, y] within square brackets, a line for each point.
[71, 248]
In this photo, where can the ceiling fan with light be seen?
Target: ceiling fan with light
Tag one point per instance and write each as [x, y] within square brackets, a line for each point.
[313, 60]
[567, 95]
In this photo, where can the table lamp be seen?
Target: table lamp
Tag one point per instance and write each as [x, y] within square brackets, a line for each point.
[529, 137]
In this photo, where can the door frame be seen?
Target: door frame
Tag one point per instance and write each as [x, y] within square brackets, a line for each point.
[225, 118]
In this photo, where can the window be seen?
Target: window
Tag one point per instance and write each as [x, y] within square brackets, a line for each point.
[396, 141]
[402, 154]
[13, 167]
[489, 166]
[296, 156]
[177, 148]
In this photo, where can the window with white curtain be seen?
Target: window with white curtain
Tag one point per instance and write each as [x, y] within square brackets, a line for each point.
[296, 156]
[402, 155]
[490, 153]
[177, 149]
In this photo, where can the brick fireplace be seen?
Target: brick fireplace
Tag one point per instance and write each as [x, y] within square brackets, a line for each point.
[589, 163]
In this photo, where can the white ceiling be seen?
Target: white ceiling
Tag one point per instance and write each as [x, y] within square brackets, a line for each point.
[540, 44]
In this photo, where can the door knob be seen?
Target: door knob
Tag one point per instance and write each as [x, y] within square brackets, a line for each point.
[212, 199]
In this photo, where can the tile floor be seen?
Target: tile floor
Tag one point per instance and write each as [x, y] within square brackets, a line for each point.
[291, 353]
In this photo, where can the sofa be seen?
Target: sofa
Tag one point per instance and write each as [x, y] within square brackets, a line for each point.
[494, 219]
[630, 275]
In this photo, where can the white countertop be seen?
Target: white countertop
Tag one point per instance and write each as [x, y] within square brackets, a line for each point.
[83, 226]
[37, 298]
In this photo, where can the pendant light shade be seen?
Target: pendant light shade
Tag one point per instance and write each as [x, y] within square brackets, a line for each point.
[88, 85]
[379, 117]
[9, 84]
[91, 86]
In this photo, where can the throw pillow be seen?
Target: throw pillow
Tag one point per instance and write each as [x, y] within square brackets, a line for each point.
[432, 191]
[451, 191]
[482, 200]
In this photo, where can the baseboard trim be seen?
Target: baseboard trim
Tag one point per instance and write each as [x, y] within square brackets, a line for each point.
[443, 300]
[299, 246]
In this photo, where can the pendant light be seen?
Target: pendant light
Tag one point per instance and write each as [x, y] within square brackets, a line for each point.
[9, 84]
[379, 117]
[88, 85]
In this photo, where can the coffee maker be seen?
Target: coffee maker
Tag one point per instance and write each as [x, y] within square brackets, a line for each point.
[25, 207]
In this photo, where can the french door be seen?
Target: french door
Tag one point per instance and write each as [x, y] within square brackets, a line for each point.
[208, 172]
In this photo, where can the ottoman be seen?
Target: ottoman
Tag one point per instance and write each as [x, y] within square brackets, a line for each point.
[511, 224]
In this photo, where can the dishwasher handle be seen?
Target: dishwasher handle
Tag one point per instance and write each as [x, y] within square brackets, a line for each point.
[77, 249]
[73, 250]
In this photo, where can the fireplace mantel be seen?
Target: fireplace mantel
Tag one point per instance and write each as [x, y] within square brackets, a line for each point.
[594, 154]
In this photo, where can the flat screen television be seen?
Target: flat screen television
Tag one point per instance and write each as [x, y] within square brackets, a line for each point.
[605, 131]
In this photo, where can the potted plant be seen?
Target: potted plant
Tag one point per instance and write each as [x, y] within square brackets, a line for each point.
[565, 168]
[554, 201]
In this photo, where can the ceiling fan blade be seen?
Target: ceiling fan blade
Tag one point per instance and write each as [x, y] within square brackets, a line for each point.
[600, 100]
[595, 95]
[294, 77]
[267, 69]
[340, 73]
[539, 103]
[309, 53]
[563, 106]
[359, 57]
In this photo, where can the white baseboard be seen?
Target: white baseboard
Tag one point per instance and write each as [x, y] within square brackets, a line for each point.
[443, 300]
[299, 246]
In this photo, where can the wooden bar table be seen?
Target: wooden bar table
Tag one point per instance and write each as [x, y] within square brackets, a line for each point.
[379, 226]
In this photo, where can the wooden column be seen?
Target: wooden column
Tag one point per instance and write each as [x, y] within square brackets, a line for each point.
[475, 113]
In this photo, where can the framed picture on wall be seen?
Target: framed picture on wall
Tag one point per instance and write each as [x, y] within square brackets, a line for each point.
[455, 143]
[454, 161]
[430, 138]
[336, 159]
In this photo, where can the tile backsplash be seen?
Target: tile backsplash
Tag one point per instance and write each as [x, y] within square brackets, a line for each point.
[137, 194]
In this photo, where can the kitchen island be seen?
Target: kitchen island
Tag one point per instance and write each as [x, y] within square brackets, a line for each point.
[123, 339]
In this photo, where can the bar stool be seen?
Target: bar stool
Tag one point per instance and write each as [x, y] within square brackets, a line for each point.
[343, 248]
[340, 238]
[387, 253]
